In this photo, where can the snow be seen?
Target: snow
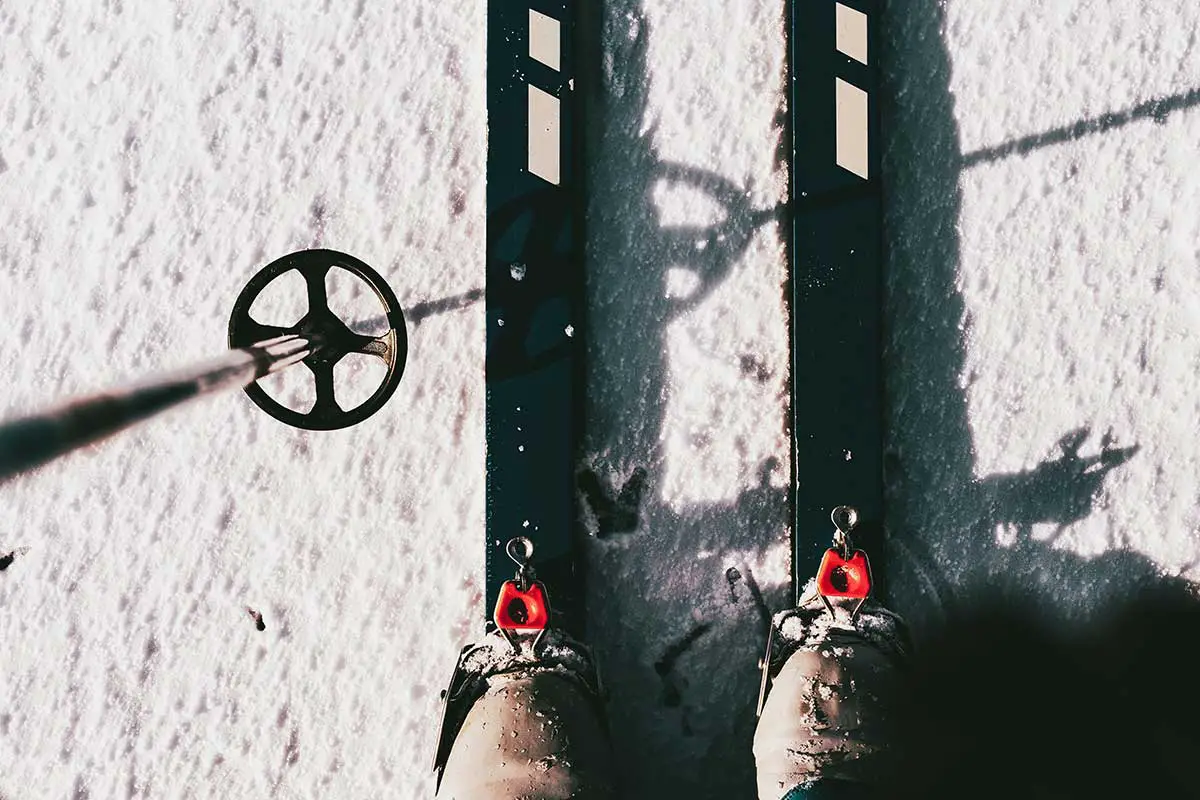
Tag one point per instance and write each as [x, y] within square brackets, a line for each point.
[155, 159]
[1043, 344]
[1042, 340]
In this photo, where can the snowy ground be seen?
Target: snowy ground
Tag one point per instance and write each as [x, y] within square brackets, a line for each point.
[1043, 347]
[153, 161]
[1045, 334]
[688, 366]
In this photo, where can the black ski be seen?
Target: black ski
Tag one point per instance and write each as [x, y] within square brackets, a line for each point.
[836, 310]
[534, 370]
[534, 296]
[837, 273]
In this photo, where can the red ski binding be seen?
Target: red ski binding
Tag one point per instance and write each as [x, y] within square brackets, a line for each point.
[523, 611]
[844, 573]
[523, 608]
[839, 577]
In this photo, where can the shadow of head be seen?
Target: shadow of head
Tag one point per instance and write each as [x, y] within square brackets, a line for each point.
[1002, 704]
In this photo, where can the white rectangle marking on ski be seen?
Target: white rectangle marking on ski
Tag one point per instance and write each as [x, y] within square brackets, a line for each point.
[545, 39]
[851, 26]
[545, 143]
[851, 103]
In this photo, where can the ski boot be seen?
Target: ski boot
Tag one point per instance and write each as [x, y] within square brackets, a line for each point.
[522, 716]
[828, 675]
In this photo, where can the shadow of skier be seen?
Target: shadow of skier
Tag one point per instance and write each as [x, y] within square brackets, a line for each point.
[1001, 702]
[1035, 665]
[943, 520]
[1059, 492]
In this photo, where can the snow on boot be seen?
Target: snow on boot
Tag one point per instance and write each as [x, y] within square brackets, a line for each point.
[519, 725]
[825, 715]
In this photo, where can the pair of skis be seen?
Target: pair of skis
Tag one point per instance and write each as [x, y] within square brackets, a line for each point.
[535, 282]
[534, 298]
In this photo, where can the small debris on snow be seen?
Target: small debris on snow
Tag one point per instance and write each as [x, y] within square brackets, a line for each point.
[732, 576]
[517, 271]
[257, 617]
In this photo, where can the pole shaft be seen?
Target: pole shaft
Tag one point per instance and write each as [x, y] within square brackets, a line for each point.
[29, 442]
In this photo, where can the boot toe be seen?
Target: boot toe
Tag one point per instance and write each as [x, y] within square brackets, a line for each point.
[825, 717]
[535, 737]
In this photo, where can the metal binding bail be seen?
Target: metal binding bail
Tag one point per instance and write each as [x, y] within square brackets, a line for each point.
[520, 550]
[844, 519]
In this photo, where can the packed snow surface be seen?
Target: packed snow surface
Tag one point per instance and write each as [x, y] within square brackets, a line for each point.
[1044, 338]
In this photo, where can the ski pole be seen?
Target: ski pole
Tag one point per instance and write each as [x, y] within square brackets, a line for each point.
[31, 441]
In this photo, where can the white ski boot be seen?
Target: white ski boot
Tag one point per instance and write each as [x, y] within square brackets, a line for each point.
[830, 673]
[523, 714]
[518, 725]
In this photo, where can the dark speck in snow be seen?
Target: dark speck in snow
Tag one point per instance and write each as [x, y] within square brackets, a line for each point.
[258, 619]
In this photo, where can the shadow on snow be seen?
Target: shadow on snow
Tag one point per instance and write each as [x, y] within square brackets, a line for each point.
[674, 611]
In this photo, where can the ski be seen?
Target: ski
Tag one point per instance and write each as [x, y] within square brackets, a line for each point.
[836, 319]
[533, 364]
[837, 274]
[534, 297]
